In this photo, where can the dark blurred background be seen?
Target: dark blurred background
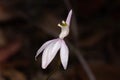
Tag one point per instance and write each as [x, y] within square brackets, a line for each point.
[94, 38]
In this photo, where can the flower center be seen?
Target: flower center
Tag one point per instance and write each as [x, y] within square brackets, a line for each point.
[63, 24]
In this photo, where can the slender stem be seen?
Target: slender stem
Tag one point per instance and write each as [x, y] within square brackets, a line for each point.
[83, 62]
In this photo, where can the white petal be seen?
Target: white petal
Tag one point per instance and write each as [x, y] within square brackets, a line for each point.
[64, 53]
[43, 47]
[50, 52]
[54, 50]
[45, 55]
[69, 17]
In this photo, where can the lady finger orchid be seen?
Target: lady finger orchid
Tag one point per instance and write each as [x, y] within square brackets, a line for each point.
[51, 47]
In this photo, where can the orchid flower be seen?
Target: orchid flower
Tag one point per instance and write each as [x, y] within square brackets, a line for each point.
[51, 47]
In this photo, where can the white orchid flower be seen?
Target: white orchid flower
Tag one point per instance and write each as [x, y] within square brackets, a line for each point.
[51, 47]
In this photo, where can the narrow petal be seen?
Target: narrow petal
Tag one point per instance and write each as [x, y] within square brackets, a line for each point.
[69, 18]
[43, 47]
[54, 50]
[50, 52]
[45, 55]
[64, 53]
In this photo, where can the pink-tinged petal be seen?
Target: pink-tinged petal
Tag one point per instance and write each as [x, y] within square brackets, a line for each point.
[69, 18]
[64, 53]
[54, 50]
[45, 54]
[49, 53]
[43, 47]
